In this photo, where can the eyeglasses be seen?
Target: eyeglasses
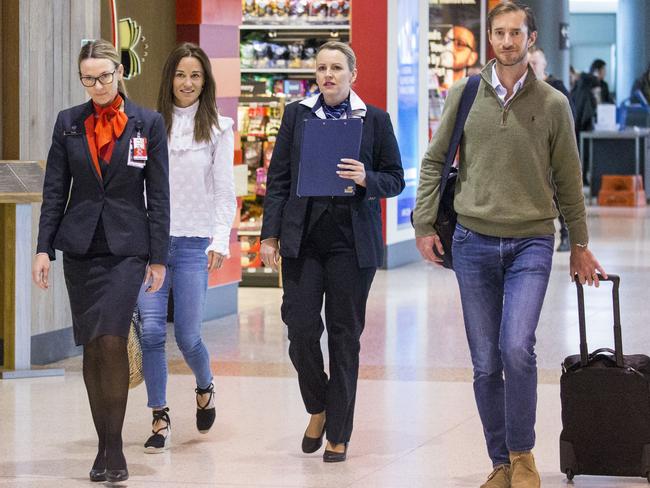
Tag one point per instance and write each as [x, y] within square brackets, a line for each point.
[104, 79]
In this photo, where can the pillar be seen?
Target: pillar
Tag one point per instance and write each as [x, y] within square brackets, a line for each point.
[552, 23]
[632, 38]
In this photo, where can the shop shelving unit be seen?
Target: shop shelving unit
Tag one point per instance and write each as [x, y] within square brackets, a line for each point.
[256, 274]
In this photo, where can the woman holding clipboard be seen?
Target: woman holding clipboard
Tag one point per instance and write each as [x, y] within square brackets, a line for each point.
[330, 246]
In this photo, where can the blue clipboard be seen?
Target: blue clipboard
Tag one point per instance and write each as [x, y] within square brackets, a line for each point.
[324, 143]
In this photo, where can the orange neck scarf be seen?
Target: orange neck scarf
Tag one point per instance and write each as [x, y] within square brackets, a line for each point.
[110, 122]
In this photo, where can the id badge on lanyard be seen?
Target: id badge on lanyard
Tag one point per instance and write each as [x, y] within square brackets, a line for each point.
[138, 149]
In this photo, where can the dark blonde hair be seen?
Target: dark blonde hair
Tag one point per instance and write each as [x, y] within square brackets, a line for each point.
[342, 47]
[207, 115]
[506, 7]
[101, 49]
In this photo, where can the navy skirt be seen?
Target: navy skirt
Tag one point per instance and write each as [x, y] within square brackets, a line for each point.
[103, 290]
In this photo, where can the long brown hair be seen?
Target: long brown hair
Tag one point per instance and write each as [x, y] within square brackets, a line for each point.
[206, 115]
[101, 49]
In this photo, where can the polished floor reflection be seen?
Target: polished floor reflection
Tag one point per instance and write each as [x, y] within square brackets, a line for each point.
[416, 423]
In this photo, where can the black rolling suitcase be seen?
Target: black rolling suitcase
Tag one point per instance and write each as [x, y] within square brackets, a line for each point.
[605, 406]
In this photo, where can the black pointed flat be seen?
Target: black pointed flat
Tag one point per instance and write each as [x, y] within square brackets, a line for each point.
[116, 475]
[335, 457]
[97, 474]
[311, 444]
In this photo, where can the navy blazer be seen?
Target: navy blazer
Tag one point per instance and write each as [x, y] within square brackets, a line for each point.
[285, 213]
[75, 195]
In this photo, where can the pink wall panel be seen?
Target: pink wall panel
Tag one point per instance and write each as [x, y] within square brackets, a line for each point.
[226, 74]
[221, 12]
[220, 41]
[228, 107]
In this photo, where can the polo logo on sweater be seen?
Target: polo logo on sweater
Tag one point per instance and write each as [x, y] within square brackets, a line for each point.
[532, 119]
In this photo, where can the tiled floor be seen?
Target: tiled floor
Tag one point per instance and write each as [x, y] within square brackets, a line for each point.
[416, 423]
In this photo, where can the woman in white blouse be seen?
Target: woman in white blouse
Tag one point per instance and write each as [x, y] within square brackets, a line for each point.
[202, 198]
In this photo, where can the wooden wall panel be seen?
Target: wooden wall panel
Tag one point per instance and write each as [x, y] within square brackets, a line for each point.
[1, 76]
[50, 34]
[10, 79]
[7, 280]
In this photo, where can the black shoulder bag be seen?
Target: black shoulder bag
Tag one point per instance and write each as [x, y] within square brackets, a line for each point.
[446, 220]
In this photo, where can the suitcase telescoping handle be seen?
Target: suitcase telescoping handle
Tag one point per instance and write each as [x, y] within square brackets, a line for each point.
[618, 341]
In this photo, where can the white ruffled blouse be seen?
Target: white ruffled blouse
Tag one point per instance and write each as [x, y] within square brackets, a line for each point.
[202, 188]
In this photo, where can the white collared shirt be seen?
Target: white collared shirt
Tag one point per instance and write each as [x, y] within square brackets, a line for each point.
[201, 183]
[501, 90]
[357, 106]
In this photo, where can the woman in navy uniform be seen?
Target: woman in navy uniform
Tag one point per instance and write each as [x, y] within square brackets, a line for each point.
[94, 210]
[330, 247]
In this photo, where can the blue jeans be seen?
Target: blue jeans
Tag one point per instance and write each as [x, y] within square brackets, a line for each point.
[187, 275]
[502, 285]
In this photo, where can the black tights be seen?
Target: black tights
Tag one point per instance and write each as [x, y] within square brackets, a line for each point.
[106, 374]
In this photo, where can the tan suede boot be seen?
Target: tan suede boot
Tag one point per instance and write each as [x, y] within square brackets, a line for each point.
[499, 477]
[523, 473]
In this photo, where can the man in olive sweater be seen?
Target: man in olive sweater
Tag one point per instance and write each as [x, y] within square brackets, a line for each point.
[518, 148]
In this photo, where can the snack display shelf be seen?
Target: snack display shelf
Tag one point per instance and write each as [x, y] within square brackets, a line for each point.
[294, 71]
[310, 27]
[284, 60]
[271, 100]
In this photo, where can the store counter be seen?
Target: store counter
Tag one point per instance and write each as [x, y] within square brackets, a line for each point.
[625, 152]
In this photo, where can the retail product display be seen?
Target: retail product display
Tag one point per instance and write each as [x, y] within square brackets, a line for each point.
[271, 87]
[259, 124]
[278, 44]
[295, 11]
[258, 53]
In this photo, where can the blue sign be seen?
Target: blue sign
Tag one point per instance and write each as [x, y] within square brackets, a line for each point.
[407, 103]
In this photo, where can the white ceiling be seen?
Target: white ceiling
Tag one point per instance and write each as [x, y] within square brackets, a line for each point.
[593, 6]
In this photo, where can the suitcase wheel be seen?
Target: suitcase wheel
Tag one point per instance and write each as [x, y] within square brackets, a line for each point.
[570, 474]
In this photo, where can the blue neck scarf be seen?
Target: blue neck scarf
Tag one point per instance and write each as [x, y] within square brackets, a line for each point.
[337, 111]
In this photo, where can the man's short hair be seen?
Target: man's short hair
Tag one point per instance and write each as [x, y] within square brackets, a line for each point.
[597, 65]
[507, 7]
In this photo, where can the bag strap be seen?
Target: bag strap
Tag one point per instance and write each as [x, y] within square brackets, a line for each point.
[465, 105]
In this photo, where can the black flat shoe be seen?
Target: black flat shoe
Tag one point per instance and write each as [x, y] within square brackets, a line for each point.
[335, 457]
[97, 475]
[205, 416]
[311, 444]
[98, 471]
[116, 475]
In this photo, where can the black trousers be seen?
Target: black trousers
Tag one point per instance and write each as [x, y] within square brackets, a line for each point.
[326, 268]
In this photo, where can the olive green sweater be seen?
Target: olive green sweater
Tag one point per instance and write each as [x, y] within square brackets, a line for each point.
[512, 160]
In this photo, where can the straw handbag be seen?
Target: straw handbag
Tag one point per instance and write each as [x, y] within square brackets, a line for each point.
[134, 350]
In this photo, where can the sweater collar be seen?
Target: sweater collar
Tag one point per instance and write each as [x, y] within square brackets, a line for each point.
[486, 75]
